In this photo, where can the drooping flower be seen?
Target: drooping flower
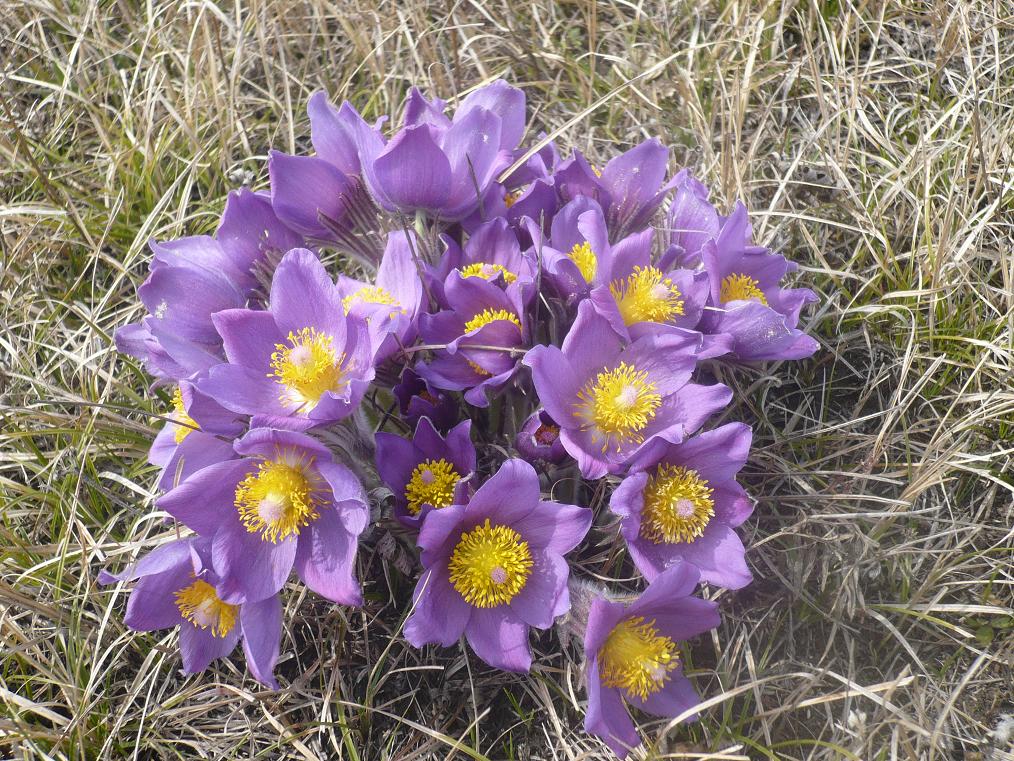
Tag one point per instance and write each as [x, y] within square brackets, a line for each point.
[615, 400]
[177, 586]
[495, 567]
[430, 472]
[692, 220]
[299, 364]
[686, 506]
[634, 655]
[418, 399]
[284, 504]
[538, 441]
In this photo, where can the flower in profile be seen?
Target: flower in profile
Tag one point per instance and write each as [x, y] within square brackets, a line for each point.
[430, 472]
[633, 655]
[686, 506]
[615, 400]
[752, 308]
[495, 567]
[538, 441]
[418, 399]
[692, 220]
[299, 364]
[284, 504]
[176, 586]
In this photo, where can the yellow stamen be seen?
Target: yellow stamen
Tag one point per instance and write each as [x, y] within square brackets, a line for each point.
[199, 604]
[740, 287]
[490, 565]
[585, 259]
[277, 500]
[619, 403]
[432, 483]
[487, 316]
[479, 369]
[488, 271]
[369, 294]
[307, 368]
[646, 296]
[511, 197]
[598, 172]
[636, 658]
[677, 505]
[185, 425]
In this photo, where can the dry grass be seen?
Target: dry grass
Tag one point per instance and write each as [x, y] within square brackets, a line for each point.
[874, 141]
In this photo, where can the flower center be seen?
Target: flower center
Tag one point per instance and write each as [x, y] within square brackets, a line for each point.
[511, 197]
[488, 271]
[185, 425]
[677, 505]
[585, 259]
[486, 316]
[740, 287]
[647, 295]
[619, 403]
[369, 294]
[490, 565]
[276, 501]
[307, 368]
[432, 483]
[636, 658]
[547, 434]
[199, 604]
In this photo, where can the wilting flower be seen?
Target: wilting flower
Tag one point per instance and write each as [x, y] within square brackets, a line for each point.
[538, 441]
[758, 314]
[284, 504]
[429, 472]
[633, 655]
[685, 507]
[418, 399]
[192, 440]
[692, 220]
[495, 567]
[615, 400]
[176, 586]
[300, 364]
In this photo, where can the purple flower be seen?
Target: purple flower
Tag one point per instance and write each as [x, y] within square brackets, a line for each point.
[495, 567]
[429, 472]
[538, 441]
[615, 400]
[284, 504]
[633, 655]
[686, 506]
[192, 440]
[176, 586]
[752, 308]
[301, 363]
[692, 220]
[418, 399]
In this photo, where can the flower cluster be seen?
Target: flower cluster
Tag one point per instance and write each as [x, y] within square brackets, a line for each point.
[525, 347]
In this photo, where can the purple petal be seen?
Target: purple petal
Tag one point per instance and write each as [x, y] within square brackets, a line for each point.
[500, 639]
[262, 633]
[303, 295]
[303, 188]
[413, 172]
[555, 527]
[333, 130]
[206, 500]
[508, 103]
[634, 177]
[249, 230]
[545, 595]
[199, 647]
[326, 560]
[607, 717]
[441, 613]
[249, 338]
[555, 381]
[250, 568]
[675, 697]
[507, 496]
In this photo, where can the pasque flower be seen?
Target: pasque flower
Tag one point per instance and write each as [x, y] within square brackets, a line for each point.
[686, 506]
[418, 399]
[538, 441]
[176, 586]
[692, 220]
[633, 655]
[495, 567]
[284, 504]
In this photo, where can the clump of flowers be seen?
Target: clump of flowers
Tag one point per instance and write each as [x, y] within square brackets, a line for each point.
[515, 350]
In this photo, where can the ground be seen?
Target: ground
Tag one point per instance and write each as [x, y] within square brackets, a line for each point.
[873, 144]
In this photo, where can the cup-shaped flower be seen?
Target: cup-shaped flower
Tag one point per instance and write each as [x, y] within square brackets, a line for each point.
[759, 315]
[633, 655]
[538, 441]
[692, 220]
[284, 504]
[495, 567]
[301, 363]
[199, 434]
[428, 472]
[615, 400]
[176, 586]
[418, 399]
[686, 506]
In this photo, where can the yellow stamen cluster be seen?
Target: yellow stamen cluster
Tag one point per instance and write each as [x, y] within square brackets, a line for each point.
[490, 565]
[307, 368]
[677, 505]
[619, 404]
[432, 483]
[199, 604]
[488, 271]
[369, 294]
[277, 500]
[587, 263]
[636, 658]
[486, 316]
[511, 197]
[185, 425]
[646, 295]
[740, 287]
